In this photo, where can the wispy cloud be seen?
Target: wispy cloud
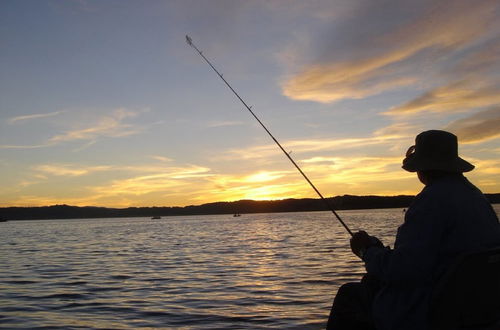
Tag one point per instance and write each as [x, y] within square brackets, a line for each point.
[357, 170]
[129, 185]
[157, 182]
[479, 127]
[480, 62]
[472, 83]
[18, 119]
[382, 63]
[399, 130]
[73, 170]
[107, 126]
[110, 125]
[69, 170]
[161, 158]
[224, 123]
[488, 167]
[458, 96]
[311, 145]
[7, 146]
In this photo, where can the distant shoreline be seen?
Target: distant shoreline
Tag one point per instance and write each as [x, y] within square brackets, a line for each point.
[346, 202]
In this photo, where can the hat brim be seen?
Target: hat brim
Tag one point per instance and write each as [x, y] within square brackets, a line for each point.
[413, 163]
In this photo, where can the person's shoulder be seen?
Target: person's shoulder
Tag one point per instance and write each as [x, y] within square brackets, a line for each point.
[437, 193]
[453, 191]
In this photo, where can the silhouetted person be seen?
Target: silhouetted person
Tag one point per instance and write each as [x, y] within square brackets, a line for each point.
[450, 216]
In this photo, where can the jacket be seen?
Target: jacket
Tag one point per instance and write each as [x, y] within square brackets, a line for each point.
[449, 217]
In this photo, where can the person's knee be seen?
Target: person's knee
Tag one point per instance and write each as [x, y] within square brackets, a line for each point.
[349, 309]
[349, 288]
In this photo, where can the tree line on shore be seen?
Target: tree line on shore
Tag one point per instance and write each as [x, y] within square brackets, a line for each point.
[346, 202]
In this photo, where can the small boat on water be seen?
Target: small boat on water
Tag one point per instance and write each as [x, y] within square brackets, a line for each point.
[156, 217]
[236, 215]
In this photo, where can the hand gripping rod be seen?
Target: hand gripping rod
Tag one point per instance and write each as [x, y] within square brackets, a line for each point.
[328, 204]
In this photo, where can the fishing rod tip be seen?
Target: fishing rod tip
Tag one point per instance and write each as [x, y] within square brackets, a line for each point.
[189, 40]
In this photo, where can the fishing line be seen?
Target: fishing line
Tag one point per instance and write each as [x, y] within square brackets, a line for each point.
[249, 108]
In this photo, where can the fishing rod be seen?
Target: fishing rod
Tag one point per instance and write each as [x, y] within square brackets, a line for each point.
[249, 108]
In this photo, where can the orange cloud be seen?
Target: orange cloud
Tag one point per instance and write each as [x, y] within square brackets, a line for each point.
[383, 63]
[458, 96]
[489, 167]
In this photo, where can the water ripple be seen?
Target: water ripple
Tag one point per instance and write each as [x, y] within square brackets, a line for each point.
[262, 271]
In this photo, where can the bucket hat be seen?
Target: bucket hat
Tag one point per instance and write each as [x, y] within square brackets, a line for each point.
[435, 150]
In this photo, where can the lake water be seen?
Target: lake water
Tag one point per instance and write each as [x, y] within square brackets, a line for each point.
[257, 271]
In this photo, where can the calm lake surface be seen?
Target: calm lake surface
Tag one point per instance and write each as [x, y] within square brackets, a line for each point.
[258, 271]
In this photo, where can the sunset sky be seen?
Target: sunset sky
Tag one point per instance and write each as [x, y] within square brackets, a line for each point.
[103, 103]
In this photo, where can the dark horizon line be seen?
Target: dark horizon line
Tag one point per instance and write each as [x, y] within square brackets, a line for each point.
[345, 202]
[235, 201]
[216, 202]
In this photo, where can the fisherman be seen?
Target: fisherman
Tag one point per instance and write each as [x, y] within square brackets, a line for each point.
[450, 216]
